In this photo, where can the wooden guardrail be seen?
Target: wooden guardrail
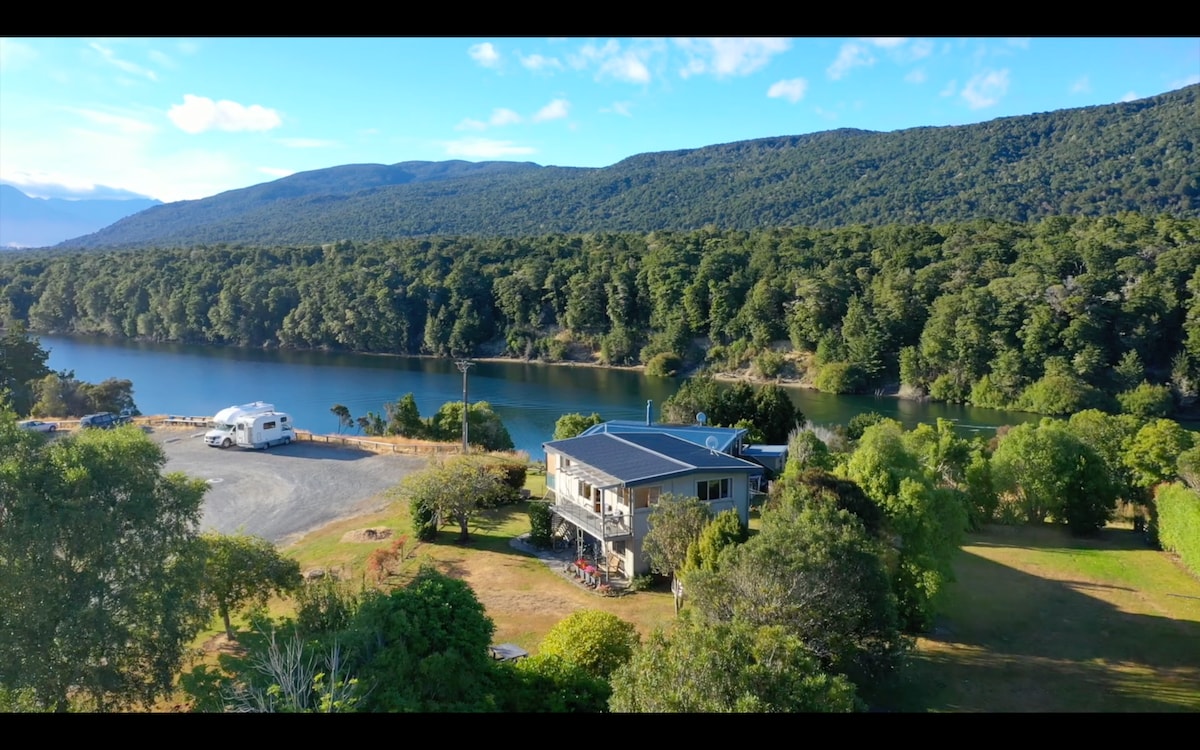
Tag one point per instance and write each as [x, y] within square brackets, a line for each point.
[379, 446]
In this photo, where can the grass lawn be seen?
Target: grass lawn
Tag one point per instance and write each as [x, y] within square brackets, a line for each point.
[1040, 621]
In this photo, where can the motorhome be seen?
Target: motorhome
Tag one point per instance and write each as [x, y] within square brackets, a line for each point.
[263, 430]
[224, 423]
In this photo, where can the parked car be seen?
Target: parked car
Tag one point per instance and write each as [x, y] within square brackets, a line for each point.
[37, 425]
[104, 420]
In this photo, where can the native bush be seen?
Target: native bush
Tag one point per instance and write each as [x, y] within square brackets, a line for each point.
[540, 519]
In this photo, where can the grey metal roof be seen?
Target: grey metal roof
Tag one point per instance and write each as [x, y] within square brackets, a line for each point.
[693, 433]
[632, 458]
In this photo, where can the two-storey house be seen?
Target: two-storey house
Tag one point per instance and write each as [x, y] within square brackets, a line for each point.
[605, 482]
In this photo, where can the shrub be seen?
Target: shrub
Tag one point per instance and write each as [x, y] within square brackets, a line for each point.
[1179, 523]
[1147, 401]
[664, 365]
[838, 377]
[539, 525]
[424, 519]
[598, 642]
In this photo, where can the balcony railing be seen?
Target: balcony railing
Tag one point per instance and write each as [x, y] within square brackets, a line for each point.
[602, 526]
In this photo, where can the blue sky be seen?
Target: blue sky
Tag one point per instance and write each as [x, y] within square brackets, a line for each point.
[180, 119]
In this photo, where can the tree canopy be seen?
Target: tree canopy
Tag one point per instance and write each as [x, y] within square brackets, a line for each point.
[100, 597]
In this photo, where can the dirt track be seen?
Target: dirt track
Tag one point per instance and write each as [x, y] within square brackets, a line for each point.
[286, 491]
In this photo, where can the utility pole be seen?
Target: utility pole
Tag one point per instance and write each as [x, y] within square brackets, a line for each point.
[463, 366]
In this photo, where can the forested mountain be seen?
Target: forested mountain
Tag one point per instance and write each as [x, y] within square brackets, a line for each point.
[1093, 161]
[1053, 316]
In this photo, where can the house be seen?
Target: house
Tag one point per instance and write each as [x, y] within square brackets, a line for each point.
[605, 482]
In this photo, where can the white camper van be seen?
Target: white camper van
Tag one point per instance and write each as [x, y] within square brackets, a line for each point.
[263, 430]
[224, 423]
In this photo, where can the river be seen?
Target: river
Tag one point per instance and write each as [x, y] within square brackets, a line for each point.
[529, 397]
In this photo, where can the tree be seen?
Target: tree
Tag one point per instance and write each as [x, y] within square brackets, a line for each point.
[1147, 401]
[571, 425]
[815, 571]
[483, 425]
[455, 490]
[22, 360]
[421, 648]
[1055, 476]
[343, 415]
[598, 642]
[725, 530]
[775, 415]
[404, 418]
[1154, 451]
[240, 570]
[727, 667]
[675, 522]
[100, 597]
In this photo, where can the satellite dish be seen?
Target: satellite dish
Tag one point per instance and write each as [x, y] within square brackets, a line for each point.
[711, 443]
[701, 418]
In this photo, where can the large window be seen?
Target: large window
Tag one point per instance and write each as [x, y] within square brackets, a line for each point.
[644, 497]
[714, 489]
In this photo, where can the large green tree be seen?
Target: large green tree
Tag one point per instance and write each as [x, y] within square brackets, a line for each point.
[455, 490]
[102, 567]
[22, 361]
[242, 570]
[675, 523]
[705, 667]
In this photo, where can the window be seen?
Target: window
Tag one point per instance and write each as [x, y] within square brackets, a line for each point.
[714, 489]
[644, 497]
[269, 426]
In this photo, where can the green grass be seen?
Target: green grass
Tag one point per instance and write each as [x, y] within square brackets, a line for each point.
[1040, 621]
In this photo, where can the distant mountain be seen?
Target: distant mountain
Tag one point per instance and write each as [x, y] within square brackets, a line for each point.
[1090, 161]
[42, 222]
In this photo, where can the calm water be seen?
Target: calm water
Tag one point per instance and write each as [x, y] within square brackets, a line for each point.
[529, 398]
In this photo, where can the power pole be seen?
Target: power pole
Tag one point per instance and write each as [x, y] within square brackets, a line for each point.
[463, 366]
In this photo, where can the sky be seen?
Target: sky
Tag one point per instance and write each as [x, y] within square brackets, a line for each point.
[183, 119]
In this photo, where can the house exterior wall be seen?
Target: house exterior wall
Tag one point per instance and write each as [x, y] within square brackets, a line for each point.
[613, 503]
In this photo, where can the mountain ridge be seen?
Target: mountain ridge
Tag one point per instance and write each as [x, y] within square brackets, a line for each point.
[1096, 160]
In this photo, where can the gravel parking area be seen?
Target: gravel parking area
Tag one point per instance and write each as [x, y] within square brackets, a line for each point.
[283, 492]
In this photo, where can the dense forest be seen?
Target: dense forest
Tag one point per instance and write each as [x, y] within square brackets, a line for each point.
[1093, 161]
[1052, 316]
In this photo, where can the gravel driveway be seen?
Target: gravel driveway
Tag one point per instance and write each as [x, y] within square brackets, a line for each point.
[284, 492]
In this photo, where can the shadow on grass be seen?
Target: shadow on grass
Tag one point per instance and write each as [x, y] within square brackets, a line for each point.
[1012, 641]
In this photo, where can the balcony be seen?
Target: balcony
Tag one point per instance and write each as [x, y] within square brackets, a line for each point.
[607, 527]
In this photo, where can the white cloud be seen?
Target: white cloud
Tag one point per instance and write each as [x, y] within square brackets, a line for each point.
[729, 56]
[306, 142]
[1189, 81]
[485, 54]
[471, 124]
[484, 148]
[791, 89]
[916, 75]
[825, 114]
[123, 65]
[199, 113]
[621, 108]
[1130, 96]
[886, 41]
[1081, 86]
[611, 61]
[537, 62]
[161, 59]
[502, 116]
[1022, 42]
[919, 49]
[555, 110]
[120, 123]
[985, 89]
[950, 88]
[626, 67]
[14, 54]
[851, 55]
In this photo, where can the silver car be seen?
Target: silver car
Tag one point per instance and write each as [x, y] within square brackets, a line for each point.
[37, 425]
